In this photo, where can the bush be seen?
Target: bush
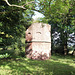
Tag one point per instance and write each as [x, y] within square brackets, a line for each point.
[22, 54]
[58, 49]
[4, 56]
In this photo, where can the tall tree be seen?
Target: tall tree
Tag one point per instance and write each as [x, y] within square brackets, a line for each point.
[13, 21]
[60, 14]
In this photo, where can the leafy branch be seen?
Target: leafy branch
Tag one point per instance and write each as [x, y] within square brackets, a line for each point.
[22, 6]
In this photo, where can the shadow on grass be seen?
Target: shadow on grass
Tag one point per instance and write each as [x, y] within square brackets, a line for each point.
[23, 66]
[59, 56]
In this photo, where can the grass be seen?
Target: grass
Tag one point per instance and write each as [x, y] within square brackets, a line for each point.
[57, 65]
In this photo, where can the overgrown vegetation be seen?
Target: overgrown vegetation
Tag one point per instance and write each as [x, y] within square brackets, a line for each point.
[60, 15]
[13, 23]
[4, 55]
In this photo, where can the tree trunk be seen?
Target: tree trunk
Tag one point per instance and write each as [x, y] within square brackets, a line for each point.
[65, 44]
[74, 52]
[63, 38]
[65, 50]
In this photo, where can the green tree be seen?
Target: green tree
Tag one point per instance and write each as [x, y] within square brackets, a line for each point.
[60, 14]
[14, 21]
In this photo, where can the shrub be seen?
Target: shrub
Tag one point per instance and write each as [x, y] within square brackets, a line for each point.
[4, 55]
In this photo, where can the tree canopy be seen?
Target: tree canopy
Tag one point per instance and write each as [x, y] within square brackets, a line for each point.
[61, 15]
[14, 21]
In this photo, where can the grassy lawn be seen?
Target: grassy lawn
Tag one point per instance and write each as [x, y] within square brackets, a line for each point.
[57, 65]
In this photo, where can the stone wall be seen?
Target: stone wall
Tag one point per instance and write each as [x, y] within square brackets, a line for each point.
[38, 39]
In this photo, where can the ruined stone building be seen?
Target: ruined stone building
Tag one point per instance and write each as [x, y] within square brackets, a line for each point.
[38, 40]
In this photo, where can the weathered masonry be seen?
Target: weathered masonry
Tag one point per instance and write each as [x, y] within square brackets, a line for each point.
[38, 39]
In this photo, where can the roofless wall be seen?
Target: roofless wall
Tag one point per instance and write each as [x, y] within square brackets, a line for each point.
[38, 39]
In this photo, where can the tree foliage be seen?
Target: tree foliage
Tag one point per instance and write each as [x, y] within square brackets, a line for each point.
[13, 22]
[60, 14]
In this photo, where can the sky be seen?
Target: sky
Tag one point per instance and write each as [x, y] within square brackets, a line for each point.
[37, 15]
